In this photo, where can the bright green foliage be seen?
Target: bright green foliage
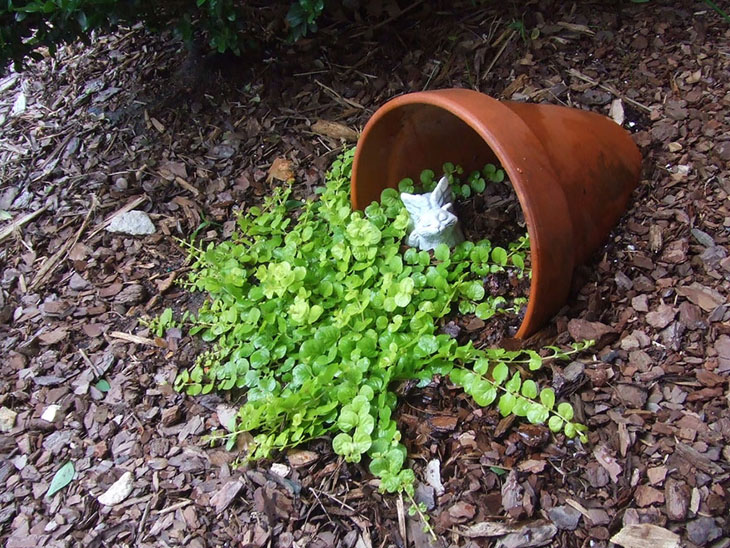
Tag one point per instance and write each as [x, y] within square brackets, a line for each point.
[317, 311]
[476, 182]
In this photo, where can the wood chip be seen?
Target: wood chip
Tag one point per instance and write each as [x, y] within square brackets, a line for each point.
[646, 535]
[335, 130]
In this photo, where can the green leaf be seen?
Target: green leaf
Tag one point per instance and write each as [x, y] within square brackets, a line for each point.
[537, 413]
[484, 311]
[518, 261]
[406, 185]
[570, 430]
[529, 389]
[441, 252]
[102, 385]
[499, 256]
[379, 467]
[506, 404]
[428, 345]
[348, 419]
[535, 362]
[260, 358]
[478, 185]
[547, 397]
[483, 392]
[342, 444]
[361, 441]
[473, 290]
[513, 385]
[565, 410]
[61, 478]
[427, 176]
[500, 373]
[555, 423]
[193, 389]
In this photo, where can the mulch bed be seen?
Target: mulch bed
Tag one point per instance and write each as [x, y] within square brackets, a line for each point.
[125, 121]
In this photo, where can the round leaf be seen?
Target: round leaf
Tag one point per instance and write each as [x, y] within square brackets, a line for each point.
[555, 423]
[547, 397]
[529, 389]
[500, 373]
[565, 410]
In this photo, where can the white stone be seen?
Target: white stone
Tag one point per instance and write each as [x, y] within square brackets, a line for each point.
[280, 469]
[118, 491]
[432, 221]
[616, 112]
[7, 419]
[134, 223]
[51, 413]
[433, 476]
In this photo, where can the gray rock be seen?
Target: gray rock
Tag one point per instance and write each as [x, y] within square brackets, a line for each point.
[564, 517]
[78, 283]
[573, 371]
[703, 237]
[703, 530]
[134, 223]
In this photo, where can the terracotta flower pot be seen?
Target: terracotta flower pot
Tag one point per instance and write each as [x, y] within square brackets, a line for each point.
[573, 171]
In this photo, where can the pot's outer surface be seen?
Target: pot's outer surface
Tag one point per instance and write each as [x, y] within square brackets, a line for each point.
[573, 171]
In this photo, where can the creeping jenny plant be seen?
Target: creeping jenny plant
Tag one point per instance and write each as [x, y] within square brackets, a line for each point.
[317, 311]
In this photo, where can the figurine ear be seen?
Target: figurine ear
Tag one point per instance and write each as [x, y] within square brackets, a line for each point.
[441, 195]
[415, 203]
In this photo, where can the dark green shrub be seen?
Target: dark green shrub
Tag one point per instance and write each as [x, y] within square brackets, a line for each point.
[29, 26]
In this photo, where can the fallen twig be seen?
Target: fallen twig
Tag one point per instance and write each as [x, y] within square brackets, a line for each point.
[499, 54]
[132, 338]
[172, 508]
[51, 263]
[339, 98]
[18, 222]
[610, 89]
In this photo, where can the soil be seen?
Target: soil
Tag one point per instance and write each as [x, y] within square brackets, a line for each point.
[116, 124]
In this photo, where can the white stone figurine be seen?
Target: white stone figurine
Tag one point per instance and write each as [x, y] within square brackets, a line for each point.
[432, 221]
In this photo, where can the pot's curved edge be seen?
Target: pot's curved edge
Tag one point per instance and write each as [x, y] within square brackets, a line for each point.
[526, 163]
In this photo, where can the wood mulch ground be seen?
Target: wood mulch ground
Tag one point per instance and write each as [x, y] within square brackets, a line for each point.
[132, 121]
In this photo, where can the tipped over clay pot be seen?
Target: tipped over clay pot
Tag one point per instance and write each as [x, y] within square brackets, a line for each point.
[572, 171]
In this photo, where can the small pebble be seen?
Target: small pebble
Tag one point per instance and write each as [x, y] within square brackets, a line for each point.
[51, 413]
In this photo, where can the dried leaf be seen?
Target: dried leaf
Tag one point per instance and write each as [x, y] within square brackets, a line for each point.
[334, 130]
[645, 535]
[280, 170]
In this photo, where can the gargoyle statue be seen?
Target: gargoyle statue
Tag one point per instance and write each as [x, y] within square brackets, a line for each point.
[432, 221]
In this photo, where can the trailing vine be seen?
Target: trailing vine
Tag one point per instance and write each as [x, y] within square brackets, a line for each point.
[317, 311]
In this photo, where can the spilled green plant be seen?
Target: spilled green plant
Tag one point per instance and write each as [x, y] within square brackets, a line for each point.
[316, 312]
